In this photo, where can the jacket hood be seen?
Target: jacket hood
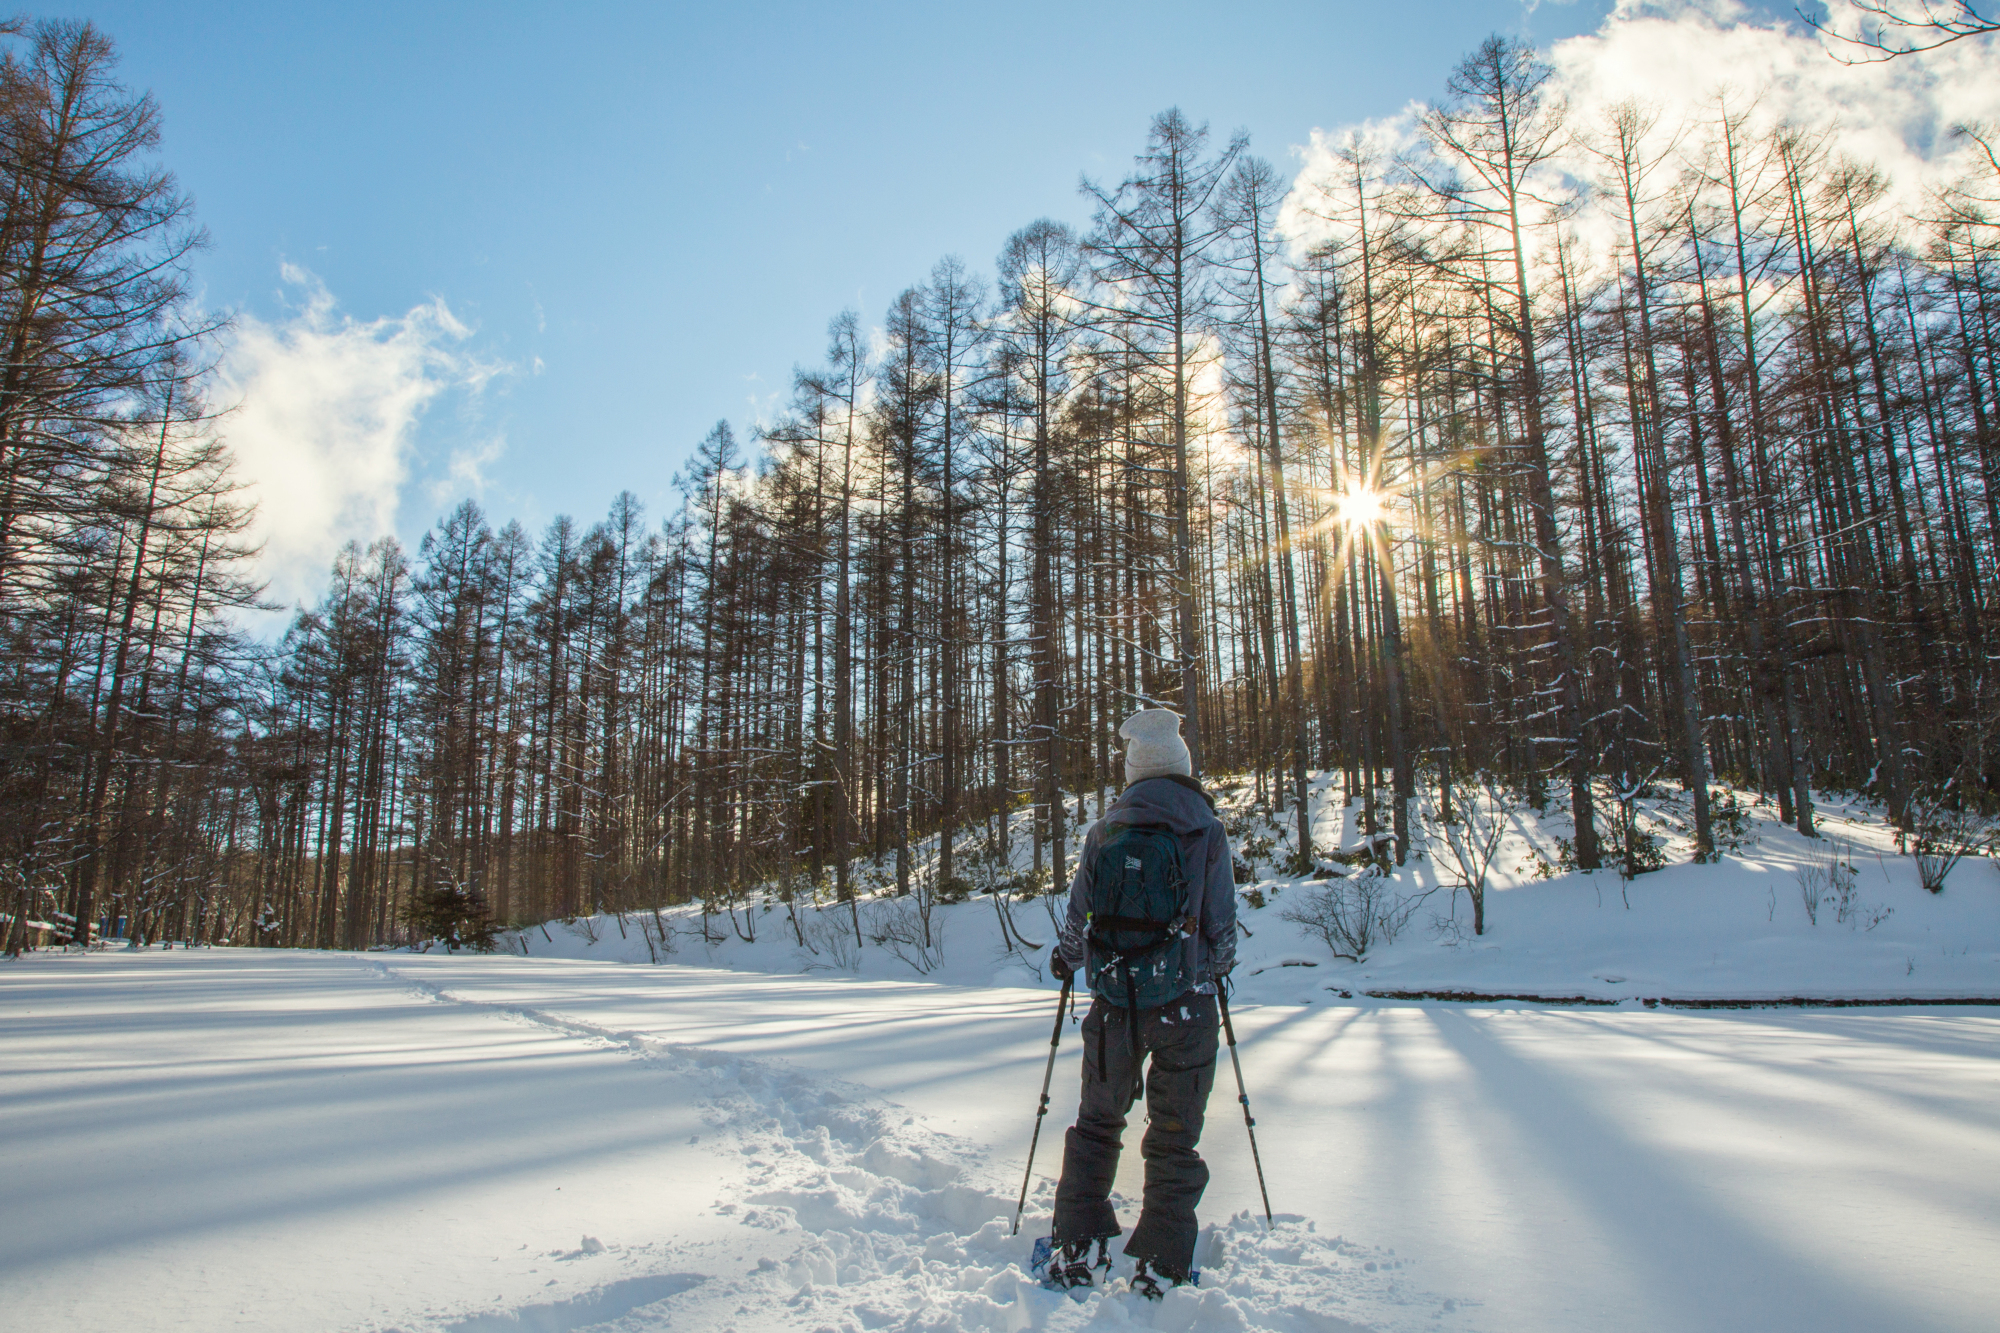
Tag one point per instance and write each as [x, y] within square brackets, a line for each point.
[1180, 805]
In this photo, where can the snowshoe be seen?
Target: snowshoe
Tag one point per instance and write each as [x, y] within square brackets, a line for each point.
[1153, 1283]
[1038, 1263]
[1067, 1268]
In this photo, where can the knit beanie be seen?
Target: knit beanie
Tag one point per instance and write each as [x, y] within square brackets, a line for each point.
[1153, 745]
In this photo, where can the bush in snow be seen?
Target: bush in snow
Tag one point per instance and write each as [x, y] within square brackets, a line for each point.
[1472, 830]
[1638, 850]
[1011, 938]
[829, 940]
[659, 936]
[1730, 819]
[1944, 832]
[450, 914]
[1831, 881]
[1816, 883]
[1351, 916]
[910, 931]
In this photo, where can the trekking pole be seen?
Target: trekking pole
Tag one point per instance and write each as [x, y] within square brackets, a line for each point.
[1062, 1003]
[1249, 1121]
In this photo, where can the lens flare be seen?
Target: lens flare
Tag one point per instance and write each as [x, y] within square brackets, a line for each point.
[1361, 507]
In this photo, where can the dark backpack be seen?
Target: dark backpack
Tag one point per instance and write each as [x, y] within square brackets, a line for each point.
[1138, 918]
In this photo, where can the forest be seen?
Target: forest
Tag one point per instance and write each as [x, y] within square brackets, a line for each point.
[1577, 458]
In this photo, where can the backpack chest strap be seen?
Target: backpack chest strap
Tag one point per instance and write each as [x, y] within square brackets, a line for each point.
[1174, 927]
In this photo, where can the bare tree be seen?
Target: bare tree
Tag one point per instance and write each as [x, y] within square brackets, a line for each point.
[1885, 29]
[1153, 245]
[1495, 133]
[1250, 208]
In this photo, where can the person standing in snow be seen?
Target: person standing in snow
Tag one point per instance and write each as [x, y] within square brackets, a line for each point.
[1158, 855]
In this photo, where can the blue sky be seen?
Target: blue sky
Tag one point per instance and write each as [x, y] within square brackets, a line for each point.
[640, 217]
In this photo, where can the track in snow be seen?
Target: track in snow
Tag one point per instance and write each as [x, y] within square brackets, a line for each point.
[891, 1232]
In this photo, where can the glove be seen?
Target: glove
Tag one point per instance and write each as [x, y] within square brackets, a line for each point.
[1060, 966]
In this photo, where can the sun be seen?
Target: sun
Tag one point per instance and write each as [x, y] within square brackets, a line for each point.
[1362, 506]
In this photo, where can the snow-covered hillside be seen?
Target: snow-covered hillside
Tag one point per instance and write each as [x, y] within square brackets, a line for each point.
[1740, 928]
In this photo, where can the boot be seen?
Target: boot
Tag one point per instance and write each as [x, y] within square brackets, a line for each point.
[1152, 1281]
[1071, 1269]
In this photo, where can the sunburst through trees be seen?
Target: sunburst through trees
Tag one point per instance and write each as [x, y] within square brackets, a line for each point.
[1535, 468]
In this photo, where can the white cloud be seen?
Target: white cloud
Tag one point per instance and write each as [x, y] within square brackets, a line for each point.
[466, 474]
[1676, 57]
[324, 423]
[1679, 55]
[1303, 217]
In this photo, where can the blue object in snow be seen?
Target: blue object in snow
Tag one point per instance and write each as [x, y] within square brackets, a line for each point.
[1045, 1250]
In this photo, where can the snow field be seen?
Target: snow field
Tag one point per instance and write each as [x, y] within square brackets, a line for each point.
[292, 1141]
[891, 1233]
[1547, 1169]
[632, 1129]
[262, 1142]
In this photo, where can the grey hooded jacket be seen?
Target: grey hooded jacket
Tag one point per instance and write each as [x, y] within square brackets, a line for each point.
[1178, 804]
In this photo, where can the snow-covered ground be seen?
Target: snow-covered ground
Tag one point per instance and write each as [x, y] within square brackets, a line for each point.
[1736, 929]
[290, 1141]
[639, 1126]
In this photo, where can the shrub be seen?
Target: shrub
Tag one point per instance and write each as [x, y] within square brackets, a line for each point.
[1351, 916]
[1473, 838]
[1258, 849]
[909, 933]
[1730, 824]
[659, 936]
[453, 915]
[1943, 833]
[1832, 880]
[829, 934]
[1829, 879]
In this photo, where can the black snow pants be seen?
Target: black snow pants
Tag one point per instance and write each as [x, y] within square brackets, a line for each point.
[1181, 1039]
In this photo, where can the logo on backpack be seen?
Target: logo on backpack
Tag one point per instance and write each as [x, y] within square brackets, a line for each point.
[1139, 920]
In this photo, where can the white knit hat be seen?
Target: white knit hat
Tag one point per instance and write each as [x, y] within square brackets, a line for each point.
[1153, 745]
